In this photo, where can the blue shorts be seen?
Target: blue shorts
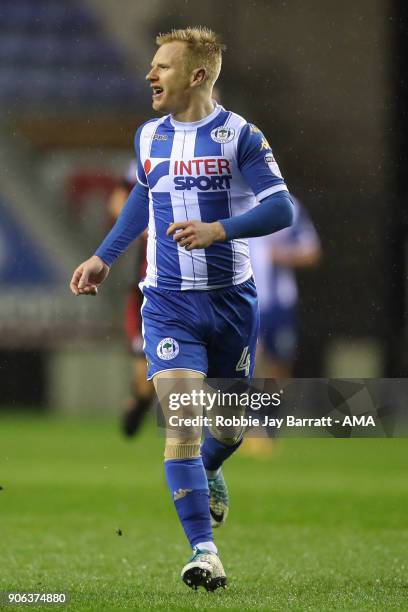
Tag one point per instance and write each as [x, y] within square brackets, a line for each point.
[278, 332]
[212, 332]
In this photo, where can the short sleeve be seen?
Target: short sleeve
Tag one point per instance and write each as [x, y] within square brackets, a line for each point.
[257, 163]
[140, 173]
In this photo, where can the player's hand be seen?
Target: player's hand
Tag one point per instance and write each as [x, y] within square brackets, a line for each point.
[196, 234]
[88, 276]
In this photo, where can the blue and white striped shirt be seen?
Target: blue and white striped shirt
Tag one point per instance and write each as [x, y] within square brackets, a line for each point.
[208, 170]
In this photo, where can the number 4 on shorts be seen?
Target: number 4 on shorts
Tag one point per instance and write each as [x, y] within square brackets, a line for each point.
[244, 362]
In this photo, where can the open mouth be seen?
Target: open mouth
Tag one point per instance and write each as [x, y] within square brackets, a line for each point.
[157, 91]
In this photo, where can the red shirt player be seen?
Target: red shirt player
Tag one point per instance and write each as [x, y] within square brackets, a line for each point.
[142, 389]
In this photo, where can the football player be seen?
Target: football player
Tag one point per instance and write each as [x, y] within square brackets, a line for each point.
[207, 180]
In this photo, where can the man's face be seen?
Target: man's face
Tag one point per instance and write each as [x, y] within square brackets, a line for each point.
[169, 79]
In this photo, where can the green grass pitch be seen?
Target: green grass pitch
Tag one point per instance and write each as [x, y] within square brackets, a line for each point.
[321, 525]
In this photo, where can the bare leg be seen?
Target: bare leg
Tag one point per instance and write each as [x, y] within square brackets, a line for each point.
[142, 397]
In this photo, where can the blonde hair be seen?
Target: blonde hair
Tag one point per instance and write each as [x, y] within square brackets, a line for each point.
[205, 49]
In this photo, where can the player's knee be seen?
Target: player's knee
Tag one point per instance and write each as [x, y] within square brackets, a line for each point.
[231, 440]
[182, 449]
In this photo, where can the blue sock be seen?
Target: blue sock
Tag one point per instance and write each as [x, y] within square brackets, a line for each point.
[187, 482]
[214, 453]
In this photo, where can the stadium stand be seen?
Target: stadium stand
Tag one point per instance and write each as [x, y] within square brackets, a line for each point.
[58, 53]
[65, 91]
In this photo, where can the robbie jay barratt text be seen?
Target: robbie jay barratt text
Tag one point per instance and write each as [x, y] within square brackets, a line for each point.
[266, 421]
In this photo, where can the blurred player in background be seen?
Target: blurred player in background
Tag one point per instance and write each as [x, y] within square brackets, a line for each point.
[142, 389]
[206, 181]
[275, 259]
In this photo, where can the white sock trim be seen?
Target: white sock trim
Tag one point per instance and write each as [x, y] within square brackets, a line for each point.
[207, 546]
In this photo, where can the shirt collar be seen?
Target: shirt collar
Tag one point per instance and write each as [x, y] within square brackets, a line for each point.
[196, 124]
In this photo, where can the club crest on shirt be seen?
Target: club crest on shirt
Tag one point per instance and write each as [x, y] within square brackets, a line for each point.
[222, 134]
[168, 348]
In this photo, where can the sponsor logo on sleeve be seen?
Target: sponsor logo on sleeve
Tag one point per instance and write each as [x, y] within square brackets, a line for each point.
[272, 164]
[269, 158]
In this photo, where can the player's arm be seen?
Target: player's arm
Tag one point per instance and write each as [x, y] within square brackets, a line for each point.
[273, 213]
[117, 200]
[131, 222]
[260, 170]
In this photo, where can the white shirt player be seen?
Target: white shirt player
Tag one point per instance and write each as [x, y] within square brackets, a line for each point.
[208, 170]
[276, 284]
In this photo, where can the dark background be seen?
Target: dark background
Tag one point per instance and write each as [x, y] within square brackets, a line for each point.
[326, 82]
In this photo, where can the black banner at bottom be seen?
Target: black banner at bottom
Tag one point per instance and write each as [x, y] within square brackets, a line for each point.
[341, 408]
